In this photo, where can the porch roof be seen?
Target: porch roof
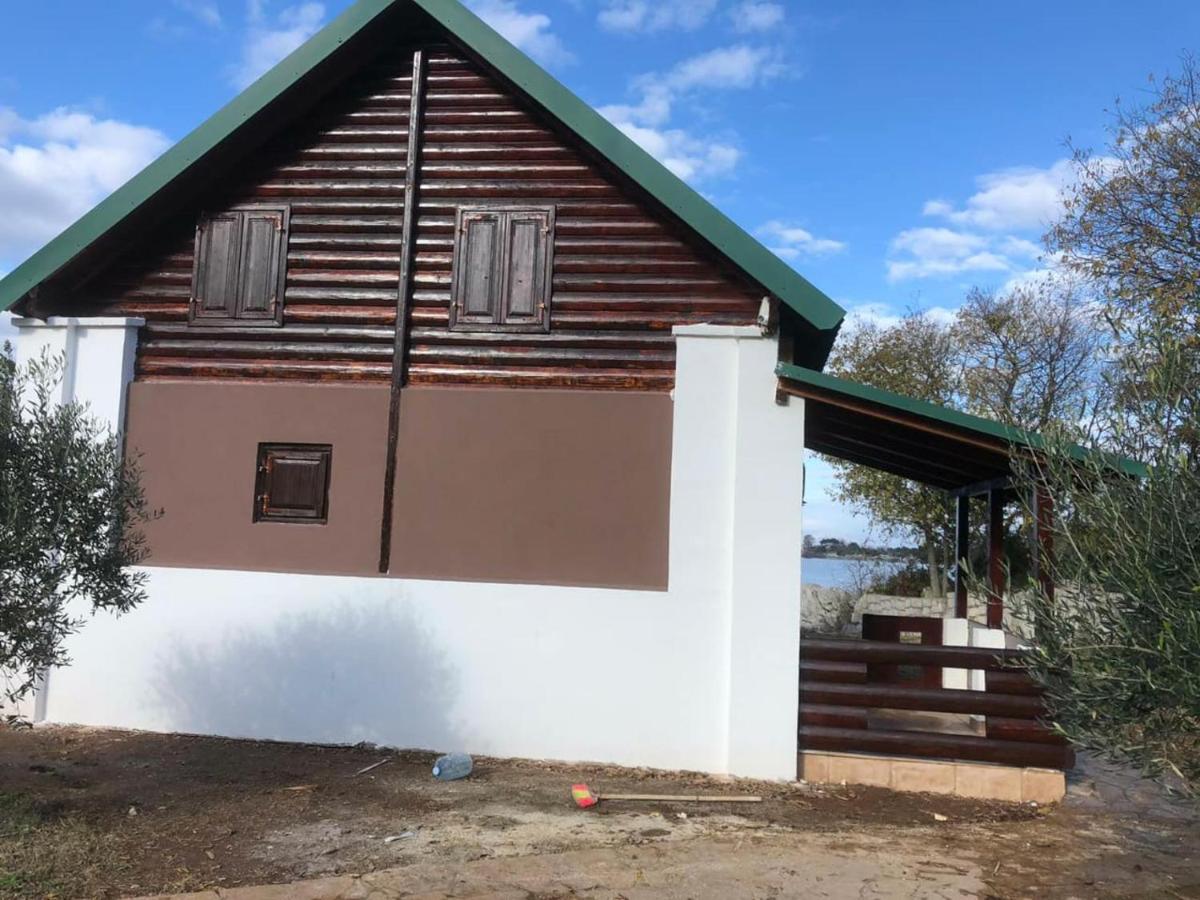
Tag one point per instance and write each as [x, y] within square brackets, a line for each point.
[914, 439]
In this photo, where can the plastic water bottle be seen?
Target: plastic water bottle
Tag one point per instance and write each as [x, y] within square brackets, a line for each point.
[452, 767]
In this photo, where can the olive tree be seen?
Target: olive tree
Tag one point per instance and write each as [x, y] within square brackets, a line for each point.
[70, 510]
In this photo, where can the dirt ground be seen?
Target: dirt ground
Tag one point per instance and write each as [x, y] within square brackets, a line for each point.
[92, 813]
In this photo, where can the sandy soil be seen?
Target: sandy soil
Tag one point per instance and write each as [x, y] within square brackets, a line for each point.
[94, 813]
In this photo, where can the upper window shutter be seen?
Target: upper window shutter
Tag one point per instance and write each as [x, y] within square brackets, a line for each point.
[503, 266]
[527, 272]
[215, 284]
[477, 282]
[240, 267]
[264, 241]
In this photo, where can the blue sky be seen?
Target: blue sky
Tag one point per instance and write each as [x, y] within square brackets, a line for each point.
[895, 153]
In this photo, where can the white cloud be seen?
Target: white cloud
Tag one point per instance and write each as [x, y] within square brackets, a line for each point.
[647, 121]
[528, 31]
[934, 252]
[995, 230]
[1012, 199]
[206, 12]
[740, 66]
[56, 167]
[886, 316]
[792, 241]
[655, 15]
[691, 158]
[754, 15]
[267, 41]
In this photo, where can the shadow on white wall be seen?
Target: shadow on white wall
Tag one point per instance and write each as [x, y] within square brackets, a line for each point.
[348, 674]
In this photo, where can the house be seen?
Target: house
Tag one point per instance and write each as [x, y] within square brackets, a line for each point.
[470, 424]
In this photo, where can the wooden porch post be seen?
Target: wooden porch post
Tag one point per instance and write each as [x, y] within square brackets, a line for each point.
[995, 598]
[962, 552]
[1043, 540]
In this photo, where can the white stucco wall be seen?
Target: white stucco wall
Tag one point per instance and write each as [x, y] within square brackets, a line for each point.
[702, 676]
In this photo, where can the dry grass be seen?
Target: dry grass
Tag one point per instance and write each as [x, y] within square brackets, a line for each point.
[44, 853]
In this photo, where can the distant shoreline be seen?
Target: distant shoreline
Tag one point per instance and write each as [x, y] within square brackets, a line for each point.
[859, 557]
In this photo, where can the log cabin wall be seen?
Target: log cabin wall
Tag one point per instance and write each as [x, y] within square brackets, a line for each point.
[623, 275]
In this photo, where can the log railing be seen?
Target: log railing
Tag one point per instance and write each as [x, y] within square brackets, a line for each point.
[839, 699]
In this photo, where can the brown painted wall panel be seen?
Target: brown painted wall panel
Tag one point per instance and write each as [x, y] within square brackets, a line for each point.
[549, 487]
[199, 445]
[536, 487]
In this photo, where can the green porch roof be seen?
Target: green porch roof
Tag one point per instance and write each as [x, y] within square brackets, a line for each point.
[735, 243]
[914, 438]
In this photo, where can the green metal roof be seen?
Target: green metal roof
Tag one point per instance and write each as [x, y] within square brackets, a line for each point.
[960, 421]
[734, 242]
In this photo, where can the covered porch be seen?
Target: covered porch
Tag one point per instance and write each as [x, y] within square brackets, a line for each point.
[946, 688]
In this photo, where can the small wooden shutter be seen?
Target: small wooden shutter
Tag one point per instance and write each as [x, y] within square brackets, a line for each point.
[503, 265]
[477, 264]
[293, 483]
[215, 284]
[240, 268]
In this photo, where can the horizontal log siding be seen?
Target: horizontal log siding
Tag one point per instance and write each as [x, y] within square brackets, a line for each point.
[622, 277]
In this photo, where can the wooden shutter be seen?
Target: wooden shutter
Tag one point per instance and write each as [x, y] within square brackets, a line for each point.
[527, 272]
[264, 243]
[215, 282]
[477, 281]
[503, 264]
[240, 267]
[293, 483]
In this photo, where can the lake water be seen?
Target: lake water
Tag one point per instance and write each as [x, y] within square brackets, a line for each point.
[843, 573]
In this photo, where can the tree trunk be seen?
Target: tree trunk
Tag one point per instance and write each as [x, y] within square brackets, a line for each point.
[931, 558]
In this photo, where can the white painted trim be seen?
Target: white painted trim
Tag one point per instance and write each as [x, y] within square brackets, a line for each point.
[704, 330]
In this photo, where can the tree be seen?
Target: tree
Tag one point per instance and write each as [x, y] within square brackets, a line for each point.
[915, 357]
[1119, 652]
[1131, 229]
[70, 507]
[1031, 356]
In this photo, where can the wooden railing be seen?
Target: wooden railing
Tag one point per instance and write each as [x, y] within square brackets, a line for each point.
[841, 705]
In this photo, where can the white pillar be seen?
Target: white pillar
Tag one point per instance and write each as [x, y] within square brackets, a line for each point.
[729, 373]
[97, 356]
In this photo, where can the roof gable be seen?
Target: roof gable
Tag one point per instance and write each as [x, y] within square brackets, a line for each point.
[764, 267]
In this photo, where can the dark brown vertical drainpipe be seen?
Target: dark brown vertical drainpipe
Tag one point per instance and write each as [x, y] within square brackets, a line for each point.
[403, 298]
[995, 598]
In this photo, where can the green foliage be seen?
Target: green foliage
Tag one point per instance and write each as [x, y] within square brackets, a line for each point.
[1027, 357]
[908, 581]
[70, 507]
[1119, 648]
[1132, 230]
[1119, 651]
[915, 358]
